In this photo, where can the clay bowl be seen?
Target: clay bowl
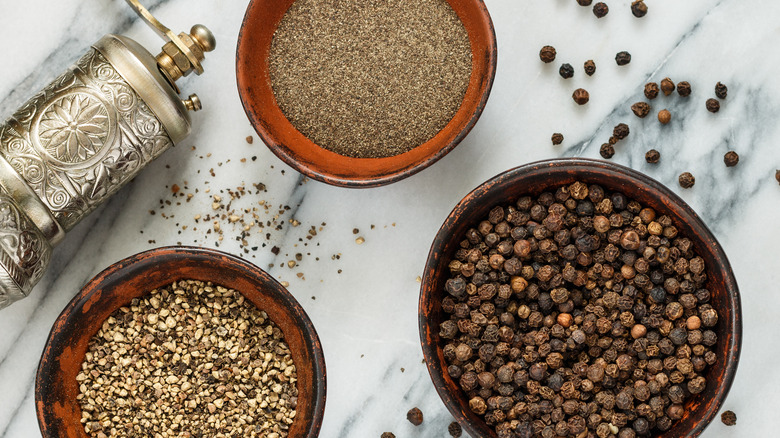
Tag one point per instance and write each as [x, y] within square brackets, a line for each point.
[254, 86]
[538, 177]
[58, 411]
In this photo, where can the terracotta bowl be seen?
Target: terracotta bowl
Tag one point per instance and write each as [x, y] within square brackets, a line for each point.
[254, 86]
[533, 179]
[58, 411]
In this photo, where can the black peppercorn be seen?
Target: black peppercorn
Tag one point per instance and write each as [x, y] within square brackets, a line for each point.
[731, 159]
[721, 91]
[651, 90]
[455, 430]
[557, 138]
[547, 54]
[600, 10]
[415, 416]
[667, 86]
[777, 176]
[607, 151]
[581, 96]
[728, 418]
[590, 67]
[652, 156]
[639, 8]
[622, 58]
[684, 89]
[713, 105]
[620, 131]
[584, 2]
[388, 435]
[641, 109]
[686, 180]
[566, 71]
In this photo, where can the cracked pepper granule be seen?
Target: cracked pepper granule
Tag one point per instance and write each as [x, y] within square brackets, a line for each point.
[370, 78]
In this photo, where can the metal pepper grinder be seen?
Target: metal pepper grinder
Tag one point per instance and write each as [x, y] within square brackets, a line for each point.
[85, 135]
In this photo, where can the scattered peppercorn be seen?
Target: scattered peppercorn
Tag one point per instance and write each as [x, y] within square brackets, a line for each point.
[728, 418]
[455, 430]
[721, 90]
[600, 10]
[388, 435]
[667, 86]
[415, 416]
[687, 180]
[651, 90]
[731, 159]
[684, 89]
[566, 71]
[641, 109]
[547, 54]
[590, 67]
[713, 105]
[584, 2]
[777, 176]
[639, 8]
[557, 138]
[580, 96]
[623, 58]
[607, 151]
[620, 131]
[652, 156]
[664, 116]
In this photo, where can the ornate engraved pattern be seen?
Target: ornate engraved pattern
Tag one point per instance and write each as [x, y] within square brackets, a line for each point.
[81, 138]
[24, 252]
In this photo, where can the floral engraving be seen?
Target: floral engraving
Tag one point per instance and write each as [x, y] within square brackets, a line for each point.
[74, 128]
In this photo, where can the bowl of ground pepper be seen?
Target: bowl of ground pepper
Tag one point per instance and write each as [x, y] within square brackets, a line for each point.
[182, 341]
[364, 93]
[576, 297]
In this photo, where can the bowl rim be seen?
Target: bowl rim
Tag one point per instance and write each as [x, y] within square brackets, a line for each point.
[398, 171]
[48, 367]
[576, 165]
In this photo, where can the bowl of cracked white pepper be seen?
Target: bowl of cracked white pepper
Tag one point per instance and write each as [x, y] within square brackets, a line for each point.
[579, 298]
[182, 342]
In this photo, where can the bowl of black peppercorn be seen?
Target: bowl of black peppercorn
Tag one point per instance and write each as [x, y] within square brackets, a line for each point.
[624, 321]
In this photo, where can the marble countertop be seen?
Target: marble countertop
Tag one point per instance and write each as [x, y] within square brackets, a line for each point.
[363, 298]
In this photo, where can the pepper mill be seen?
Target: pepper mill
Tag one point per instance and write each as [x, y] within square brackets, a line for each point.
[85, 135]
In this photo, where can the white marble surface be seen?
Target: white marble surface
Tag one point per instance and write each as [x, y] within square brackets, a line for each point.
[367, 314]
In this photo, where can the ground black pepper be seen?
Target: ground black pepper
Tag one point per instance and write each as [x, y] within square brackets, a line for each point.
[600, 10]
[639, 8]
[731, 159]
[651, 90]
[721, 90]
[547, 54]
[590, 67]
[684, 89]
[415, 415]
[641, 109]
[557, 138]
[454, 429]
[728, 418]
[713, 105]
[607, 151]
[580, 96]
[652, 156]
[664, 116]
[686, 180]
[566, 71]
[622, 58]
[667, 86]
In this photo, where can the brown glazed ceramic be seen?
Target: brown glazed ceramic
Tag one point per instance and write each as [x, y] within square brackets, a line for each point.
[58, 411]
[254, 86]
[533, 179]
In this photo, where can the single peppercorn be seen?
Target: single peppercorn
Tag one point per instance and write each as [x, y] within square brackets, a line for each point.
[684, 89]
[731, 159]
[584, 2]
[664, 116]
[566, 71]
[388, 435]
[639, 8]
[581, 96]
[455, 430]
[547, 54]
[713, 105]
[641, 109]
[667, 86]
[777, 176]
[721, 91]
[557, 138]
[728, 418]
[622, 58]
[415, 416]
[607, 151]
[600, 10]
[590, 67]
[652, 156]
[651, 90]
[620, 131]
[686, 180]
